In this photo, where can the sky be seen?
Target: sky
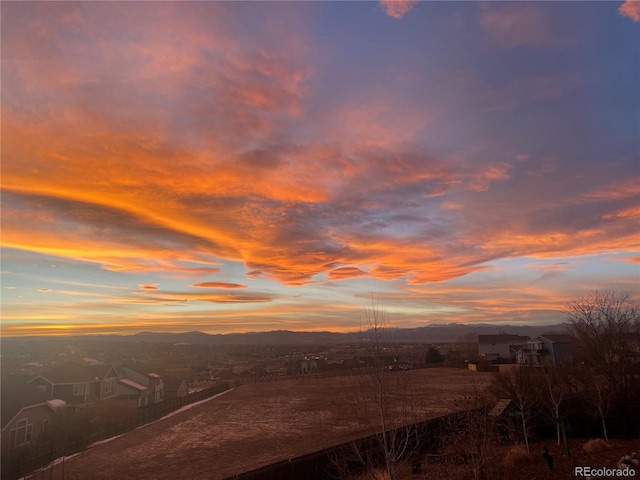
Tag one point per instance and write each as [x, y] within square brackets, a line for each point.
[253, 166]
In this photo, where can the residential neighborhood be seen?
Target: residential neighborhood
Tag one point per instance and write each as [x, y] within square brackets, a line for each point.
[29, 404]
[74, 381]
[90, 389]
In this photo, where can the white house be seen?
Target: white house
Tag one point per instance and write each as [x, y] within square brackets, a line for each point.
[499, 347]
[555, 349]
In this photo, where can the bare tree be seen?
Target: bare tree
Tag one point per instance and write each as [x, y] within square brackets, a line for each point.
[477, 434]
[557, 384]
[519, 386]
[602, 401]
[606, 325]
[596, 393]
[383, 404]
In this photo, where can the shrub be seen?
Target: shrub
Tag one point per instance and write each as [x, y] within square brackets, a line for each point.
[517, 457]
[597, 445]
[377, 473]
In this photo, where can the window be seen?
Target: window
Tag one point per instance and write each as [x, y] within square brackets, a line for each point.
[109, 386]
[22, 434]
[78, 389]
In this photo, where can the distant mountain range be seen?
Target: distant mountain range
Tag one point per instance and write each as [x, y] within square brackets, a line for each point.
[434, 333]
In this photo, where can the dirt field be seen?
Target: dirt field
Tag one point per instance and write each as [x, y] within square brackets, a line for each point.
[255, 425]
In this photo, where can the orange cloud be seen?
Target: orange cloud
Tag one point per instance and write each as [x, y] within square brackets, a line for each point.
[148, 286]
[345, 273]
[625, 213]
[252, 275]
[203, 211]
[166, 298]
[218, 285]
[621, 189]
[397, 8]
[630, 9]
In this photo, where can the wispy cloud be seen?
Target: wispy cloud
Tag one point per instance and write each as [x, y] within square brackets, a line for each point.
[515, 24]
[397, 8]
[164, 298]
[218, 285]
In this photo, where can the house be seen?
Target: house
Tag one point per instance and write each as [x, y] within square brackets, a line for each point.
[26, 413]
[496, 348]
[141, 388]
[532, 353]
[78, 384]
[175, 387]
[556, 349]
[559, 347]
[297, 366]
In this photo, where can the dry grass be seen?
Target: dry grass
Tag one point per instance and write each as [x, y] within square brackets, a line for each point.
[597, 445]
[518, 456]
[255, 425]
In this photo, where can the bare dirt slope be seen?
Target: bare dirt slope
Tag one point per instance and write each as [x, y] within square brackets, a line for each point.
[255, 425]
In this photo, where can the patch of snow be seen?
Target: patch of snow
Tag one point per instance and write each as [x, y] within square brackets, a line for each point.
[100, 442]
[57, 461]
[186, 407]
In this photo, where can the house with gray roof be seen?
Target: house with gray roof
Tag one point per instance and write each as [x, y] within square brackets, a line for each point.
[139, 388]
[26, 413]
[560, 347]
[554, 349]
[78, 384]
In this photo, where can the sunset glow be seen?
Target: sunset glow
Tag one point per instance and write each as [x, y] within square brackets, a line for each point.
[248, 166]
